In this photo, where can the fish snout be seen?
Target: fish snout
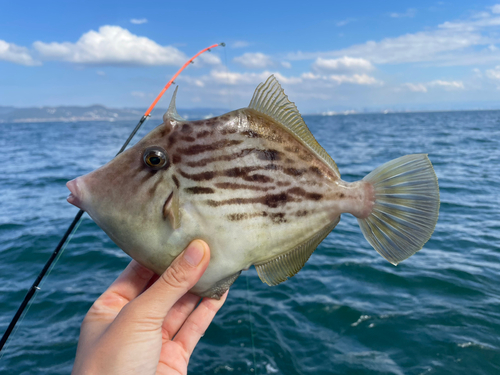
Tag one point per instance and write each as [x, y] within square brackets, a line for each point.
[76, 192]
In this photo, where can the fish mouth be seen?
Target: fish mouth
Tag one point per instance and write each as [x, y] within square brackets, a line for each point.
[75, 193]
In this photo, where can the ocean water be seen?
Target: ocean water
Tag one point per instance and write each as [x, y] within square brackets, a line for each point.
[347, 312]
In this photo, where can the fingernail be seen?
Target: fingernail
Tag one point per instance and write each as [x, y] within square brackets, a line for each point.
[194, 253]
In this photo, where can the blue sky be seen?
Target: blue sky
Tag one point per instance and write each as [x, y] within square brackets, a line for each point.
[328, 56]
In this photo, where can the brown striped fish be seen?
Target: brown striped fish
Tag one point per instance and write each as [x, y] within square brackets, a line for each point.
[257, 187]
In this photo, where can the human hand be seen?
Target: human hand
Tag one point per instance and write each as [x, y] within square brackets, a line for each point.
[145, 324]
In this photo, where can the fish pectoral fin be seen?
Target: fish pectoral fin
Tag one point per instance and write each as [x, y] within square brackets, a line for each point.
[285, 265]
[270, 99]
[172, 110]
[171, 210]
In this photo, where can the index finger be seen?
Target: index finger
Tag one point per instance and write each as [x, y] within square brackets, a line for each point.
[184, 272]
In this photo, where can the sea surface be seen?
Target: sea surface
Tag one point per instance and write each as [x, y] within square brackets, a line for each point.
[347, 312]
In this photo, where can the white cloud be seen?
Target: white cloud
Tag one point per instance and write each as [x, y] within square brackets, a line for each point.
[199, 83]
[358, 79]
[424, 87]
[409, 13]
[462, 42]
[494, 73]
[100, 73]
[495, 8]
[470, 26]
[448, 85]
[255, 60]
[111, 45]
[415, 87]
[259, 60]
[481, 15]
[418, 47]
[234, 78]
[247, 78]
[138, 21]
[138, 94]
[240, 44]
[345, 22]
[16, 54]
[210, 59]
[234, 89]
[341, 65]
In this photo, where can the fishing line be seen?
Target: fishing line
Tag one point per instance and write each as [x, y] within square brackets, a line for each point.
[251, 325]
[249, 301]
[76, 220]
[228, 82]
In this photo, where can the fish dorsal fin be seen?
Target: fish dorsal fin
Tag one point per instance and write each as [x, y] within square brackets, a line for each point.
[285, 265]
[172, 111]
[270, 99]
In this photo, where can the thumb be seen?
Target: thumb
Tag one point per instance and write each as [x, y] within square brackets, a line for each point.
[180, 276]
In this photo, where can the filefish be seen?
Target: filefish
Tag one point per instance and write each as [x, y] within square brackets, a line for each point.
[257, 187]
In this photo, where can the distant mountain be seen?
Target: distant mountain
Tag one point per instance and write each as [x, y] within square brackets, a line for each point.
[6, 110]
[94, 113]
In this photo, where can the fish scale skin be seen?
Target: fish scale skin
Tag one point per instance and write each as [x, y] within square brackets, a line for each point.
[236, 178]
[244, 184]
[260, 189]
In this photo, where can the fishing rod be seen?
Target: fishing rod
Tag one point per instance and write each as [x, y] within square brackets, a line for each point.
[78, 216]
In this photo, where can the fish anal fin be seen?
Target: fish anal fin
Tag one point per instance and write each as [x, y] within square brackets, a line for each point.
[278, 269]
[171, 113]
[270, 99]
[220, 287]
[171, 210]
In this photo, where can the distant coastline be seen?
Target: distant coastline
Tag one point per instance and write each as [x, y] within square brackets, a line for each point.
[102, 113]
[94, 113]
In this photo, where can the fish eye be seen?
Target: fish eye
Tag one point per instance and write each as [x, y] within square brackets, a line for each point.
[155, 158]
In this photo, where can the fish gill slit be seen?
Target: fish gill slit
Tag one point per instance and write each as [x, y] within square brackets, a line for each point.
[166, 205]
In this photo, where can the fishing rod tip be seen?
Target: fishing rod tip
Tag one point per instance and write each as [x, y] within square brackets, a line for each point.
[222, 44]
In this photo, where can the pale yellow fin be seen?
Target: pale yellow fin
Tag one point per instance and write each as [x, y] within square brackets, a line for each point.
[270, 99]
[406, 207]
[172, 111]
[286, 265]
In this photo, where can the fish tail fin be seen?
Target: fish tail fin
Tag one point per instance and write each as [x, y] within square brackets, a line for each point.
[406, 207]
